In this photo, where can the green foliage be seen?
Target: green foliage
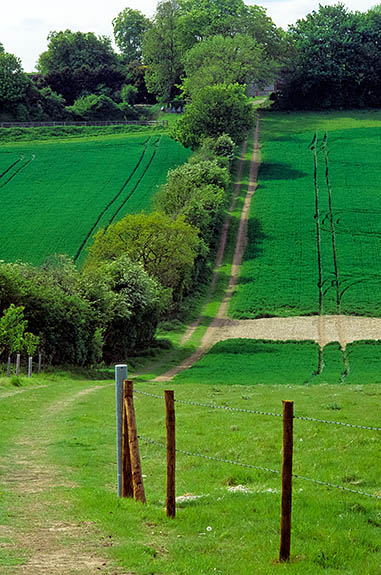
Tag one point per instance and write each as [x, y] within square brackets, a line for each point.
[12, 327]
[281, 253]
[93, 107]
[77, 64]
[219, 59]
[77, 185]
[67, 49]
[129, 94]
[80, 318]
[13, 81]
[197, 192]
[162, 52]
[201, 19]
[335, 61]
[31, 342]
[129, 28]
[224, 146]
[128, 303]
[215, 110]
[167, 248]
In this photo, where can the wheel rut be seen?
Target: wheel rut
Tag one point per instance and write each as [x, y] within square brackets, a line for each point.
[320, 328]
[51, 546]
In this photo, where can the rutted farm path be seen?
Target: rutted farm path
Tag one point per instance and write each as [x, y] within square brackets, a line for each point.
[39, 533]
[322, 329]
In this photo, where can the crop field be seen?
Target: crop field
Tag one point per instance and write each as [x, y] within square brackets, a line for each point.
[315, 224]
[55, 195]
[250, 362]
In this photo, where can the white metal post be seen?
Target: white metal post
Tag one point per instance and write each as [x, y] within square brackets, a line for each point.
[120, 376]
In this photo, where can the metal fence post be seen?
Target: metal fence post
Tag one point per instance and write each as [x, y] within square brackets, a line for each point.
[120, 376]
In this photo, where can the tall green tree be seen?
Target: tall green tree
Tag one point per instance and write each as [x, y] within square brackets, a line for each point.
[220, 59]
[77, 63]
[165, 247]
[335, 61]
[215, 110]
[162, 52]
[129, 28]
[13, 81]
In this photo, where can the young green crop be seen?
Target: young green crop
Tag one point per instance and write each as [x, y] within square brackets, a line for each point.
[54, 196]
[280, 272]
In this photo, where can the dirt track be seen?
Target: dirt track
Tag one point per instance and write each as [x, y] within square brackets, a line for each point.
[322, 329]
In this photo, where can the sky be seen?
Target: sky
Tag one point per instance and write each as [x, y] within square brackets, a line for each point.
[25, 24]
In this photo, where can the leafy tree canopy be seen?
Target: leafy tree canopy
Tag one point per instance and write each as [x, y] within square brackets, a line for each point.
[67, 49]
[220, 59]
[335, 62]
[129, 28]
[215, 110]
[163, 52]
[13, 81]
[167, 248]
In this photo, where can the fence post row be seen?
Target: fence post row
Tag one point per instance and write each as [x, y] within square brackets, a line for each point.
[285, 529]
[171, 452]
[137, 478]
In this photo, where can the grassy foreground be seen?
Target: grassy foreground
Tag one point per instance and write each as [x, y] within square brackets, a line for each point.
[67, 430]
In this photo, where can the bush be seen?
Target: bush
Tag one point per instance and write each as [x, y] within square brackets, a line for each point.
[214, 111]
[95, 107]
[167, 248]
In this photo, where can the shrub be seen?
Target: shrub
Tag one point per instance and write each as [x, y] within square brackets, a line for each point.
[95, 107]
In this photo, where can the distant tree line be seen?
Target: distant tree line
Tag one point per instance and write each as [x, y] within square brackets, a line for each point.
[335, 60]
[81, 77]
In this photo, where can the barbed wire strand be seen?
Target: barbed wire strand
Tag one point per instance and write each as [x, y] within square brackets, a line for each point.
[256, 412]
[247, 465]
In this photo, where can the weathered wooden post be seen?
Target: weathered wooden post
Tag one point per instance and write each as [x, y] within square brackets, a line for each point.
[39, 363]
[171, 452]
[137, 477]
[285, 529]
[127, 483]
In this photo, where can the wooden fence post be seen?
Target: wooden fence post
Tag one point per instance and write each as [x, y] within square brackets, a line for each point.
[127, 485]
[39, 363]
[285, 529]
[171, 452]
[137, 479]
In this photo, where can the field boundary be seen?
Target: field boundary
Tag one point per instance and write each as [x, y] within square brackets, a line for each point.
[84, 123]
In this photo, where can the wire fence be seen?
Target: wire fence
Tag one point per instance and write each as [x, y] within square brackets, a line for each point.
[250, 466]
[257, 467]
[257, 412]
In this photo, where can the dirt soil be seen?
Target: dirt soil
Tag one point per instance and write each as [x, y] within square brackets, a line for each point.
[322, 329]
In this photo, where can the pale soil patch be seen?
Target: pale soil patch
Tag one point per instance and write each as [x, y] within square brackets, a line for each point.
[322, 329]
[51, 547]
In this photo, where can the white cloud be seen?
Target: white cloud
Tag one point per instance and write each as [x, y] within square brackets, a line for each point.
[25, 24]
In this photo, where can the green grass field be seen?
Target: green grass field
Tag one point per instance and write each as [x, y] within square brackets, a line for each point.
[68, 434]
[252, 362]
[315, 248]
[56, 194]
